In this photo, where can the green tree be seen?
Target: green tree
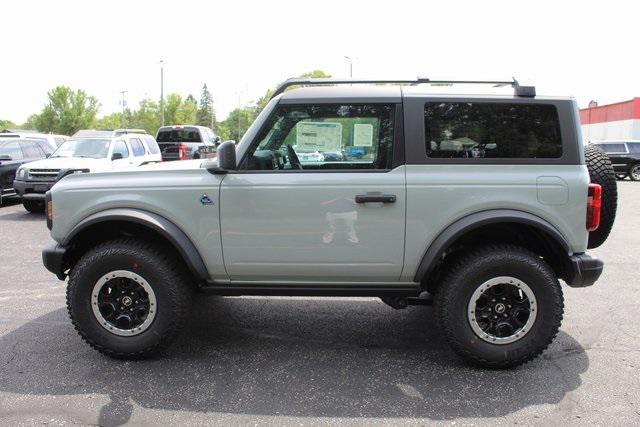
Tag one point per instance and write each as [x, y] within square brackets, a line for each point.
[67, 111]
[7, 124]
[206, 114]
[187, 111]
[147, 116]
[111, 121]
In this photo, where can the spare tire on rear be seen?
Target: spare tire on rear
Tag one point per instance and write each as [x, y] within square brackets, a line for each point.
[601, 172]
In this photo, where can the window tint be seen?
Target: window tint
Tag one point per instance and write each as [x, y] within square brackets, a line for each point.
[12, 149]
[137, 147]
[613, 148]
[491, 130]
[44, 146]
[179, 135]
[121, 147]
[152, 145]
[634, 147]
[325, 137]
[31, 150]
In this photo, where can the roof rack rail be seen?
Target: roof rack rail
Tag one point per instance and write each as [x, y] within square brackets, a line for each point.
[523, 91]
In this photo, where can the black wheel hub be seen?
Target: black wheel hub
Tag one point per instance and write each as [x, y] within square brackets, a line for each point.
[502, 310]
[123, 303]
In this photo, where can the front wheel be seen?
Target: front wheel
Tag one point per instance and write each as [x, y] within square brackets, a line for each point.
[621, 176]
[33, 206]
[128, 298]
[499, 306]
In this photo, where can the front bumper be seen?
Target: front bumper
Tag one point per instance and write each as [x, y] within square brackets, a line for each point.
[53, 259]
[584, 270]
[32, 190]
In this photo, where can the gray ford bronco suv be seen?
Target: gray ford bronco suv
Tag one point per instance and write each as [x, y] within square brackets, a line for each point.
[477, 204]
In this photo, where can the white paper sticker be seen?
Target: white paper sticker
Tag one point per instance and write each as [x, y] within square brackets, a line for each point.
[362, 135]
[318, 136]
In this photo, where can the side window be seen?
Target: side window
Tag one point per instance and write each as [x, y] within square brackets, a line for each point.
[121, 147]
[152, 145]
[634, 147]
[491, 130]
[12, 149]
[311, 137]
[31, 150]
[137, 147]
[59, 141]
[44, 146]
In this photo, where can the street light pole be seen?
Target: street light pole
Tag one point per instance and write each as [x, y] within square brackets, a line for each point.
[348, 58]
[162, 90]
[124, 104]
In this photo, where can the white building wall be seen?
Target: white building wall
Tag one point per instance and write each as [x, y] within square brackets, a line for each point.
[621, 129]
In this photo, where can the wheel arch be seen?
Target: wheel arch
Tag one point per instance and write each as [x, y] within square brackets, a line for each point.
[507, 221]
[126, 221]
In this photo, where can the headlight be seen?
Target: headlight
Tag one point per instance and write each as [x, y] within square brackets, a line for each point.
[21, 174]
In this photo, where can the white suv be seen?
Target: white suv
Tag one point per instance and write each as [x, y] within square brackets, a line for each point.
[87, 151]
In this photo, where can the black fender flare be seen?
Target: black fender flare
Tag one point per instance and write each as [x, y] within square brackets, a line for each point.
[161, 225]
[476, 220]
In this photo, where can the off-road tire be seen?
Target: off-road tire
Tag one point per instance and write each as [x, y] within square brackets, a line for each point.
[469, 272]
[601, 172]
[166, 277]
[33, 206]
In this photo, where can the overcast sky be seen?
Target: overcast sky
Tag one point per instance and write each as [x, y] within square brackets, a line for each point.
[588, 50]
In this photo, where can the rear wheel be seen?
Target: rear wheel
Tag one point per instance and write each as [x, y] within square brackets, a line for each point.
[499, 306]
[33, 206]
[634, 172]
[128, 298]
[601, 172]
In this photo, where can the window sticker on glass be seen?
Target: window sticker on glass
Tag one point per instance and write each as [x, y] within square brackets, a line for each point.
[323, 136]
[362, 135]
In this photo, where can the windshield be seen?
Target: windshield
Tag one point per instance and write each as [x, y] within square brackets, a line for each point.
[94, 148]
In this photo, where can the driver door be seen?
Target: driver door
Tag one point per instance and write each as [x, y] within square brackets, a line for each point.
[317, 199]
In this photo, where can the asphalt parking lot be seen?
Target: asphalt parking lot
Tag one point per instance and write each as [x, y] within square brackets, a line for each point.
[312, 361]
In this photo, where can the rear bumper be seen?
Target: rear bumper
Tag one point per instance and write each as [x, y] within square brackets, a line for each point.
[585, 270]
[53, 259]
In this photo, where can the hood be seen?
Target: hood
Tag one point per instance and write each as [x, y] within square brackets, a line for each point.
[94, 165]
[175, 165]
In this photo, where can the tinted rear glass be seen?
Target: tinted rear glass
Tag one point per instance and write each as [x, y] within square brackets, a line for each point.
[179, 135]
[634, 147]
[492, 130]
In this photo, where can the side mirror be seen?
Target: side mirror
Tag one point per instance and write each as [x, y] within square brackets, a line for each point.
[116, 156]
[47, 155]
[216, 140]
[5, 157]
[226, 159]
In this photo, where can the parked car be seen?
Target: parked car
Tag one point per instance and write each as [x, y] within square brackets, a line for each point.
[180, 142]
[53, 140]
[489, 237]
[13, 153]
[87, 151]
[624, 156]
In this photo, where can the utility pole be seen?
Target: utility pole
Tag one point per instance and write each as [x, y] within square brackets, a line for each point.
[162, 90]
[239, 113]
[124, 105]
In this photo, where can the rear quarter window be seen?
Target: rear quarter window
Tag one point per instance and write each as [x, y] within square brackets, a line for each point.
[468, 130]
[152, 145]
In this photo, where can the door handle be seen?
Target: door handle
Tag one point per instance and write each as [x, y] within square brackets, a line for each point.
[375, 198]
